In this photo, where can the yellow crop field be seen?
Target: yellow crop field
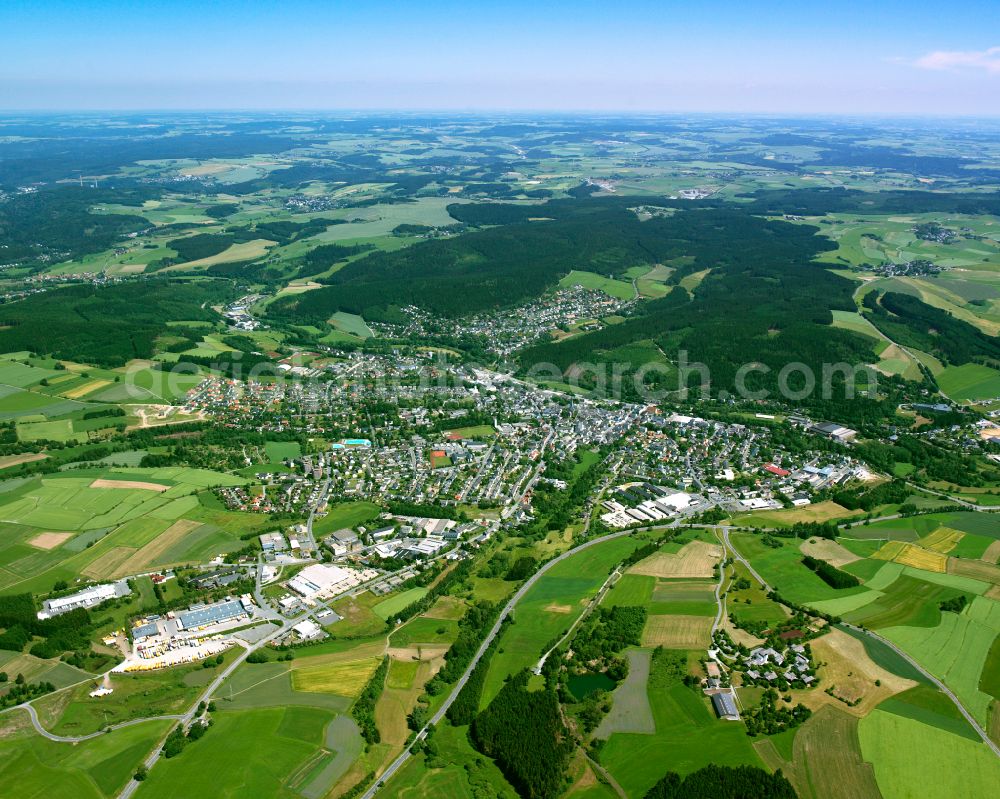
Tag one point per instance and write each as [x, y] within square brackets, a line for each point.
[86, 388]
[344, 679]
[889, 550]
[943, 540]
[919, 558]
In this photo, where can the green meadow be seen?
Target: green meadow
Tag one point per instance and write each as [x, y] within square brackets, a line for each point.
[551, 606]
[915, 759]
[32, 767]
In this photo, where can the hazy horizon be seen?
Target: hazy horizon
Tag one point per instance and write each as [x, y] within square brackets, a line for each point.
[722, 57]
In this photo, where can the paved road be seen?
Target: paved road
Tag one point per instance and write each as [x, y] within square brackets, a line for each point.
[943, 688]
[594, 602]
[405, 755]
[75, 739]
[741, 559]
[956, 500]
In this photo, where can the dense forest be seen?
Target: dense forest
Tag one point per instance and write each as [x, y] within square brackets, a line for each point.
[523, 731]
[723, 782]
[105, 325]
[54, 225]
[763, 302]
[913, 323]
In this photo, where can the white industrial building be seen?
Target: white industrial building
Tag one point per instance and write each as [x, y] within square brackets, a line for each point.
[87, 598]
[325, 580]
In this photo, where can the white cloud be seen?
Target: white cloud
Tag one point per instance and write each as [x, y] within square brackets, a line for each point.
[986, 60]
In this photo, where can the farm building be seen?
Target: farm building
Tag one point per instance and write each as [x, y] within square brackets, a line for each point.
[725, 706]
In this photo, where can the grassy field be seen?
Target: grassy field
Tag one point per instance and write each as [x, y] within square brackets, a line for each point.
[631, 589]
[389, 607]
[620, 289]
[352, 324]
[111, 521]
[687, 736]
[970, 381]
[345, 514]
[457, 768]
[278, 451]
[475, 431]
[915, 759]
[907, 602]
[930, 706]
[164, 692]
[782, 568]
[307, 751]
[551, 606]
[33, 767]
[956, 650]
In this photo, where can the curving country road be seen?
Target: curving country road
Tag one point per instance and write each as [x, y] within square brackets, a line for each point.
[940, 685]
[75, 739]
[405, 755]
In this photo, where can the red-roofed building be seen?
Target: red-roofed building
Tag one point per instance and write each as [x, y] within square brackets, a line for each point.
[776, 470]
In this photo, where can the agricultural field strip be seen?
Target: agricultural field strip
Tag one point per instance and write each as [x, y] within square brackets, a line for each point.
[940, 685]
[401, 760]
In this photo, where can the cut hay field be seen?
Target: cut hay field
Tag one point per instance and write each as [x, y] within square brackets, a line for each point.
[244, 251]
[826, 760]
[913, 759]
[341, 678]
[571, 583]
[852, 674]
[817, 512]
[695, 559]
[677, 632]
[913, 555]
[630, 709]
[830, 551]
[943, 540]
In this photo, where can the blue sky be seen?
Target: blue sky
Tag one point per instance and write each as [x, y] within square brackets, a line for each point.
[885, 56]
